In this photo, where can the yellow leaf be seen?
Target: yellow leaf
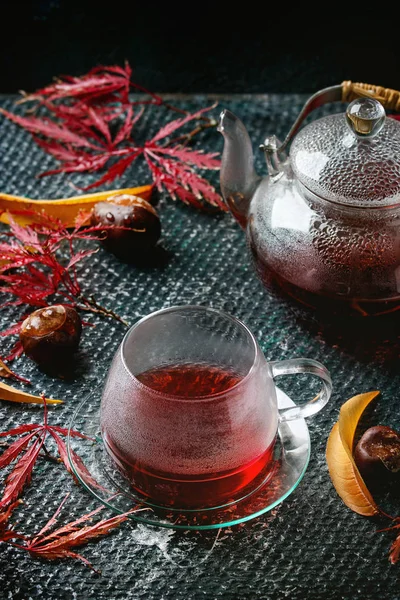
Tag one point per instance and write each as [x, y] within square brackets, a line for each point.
[66, 209]
[4, 370]
[7, 392]
[339, 455]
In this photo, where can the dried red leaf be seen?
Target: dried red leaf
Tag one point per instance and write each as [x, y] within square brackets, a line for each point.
[21, 473]
[82, 164]
[49, 129]
[194, 157]
[174, 172]
[18, 430]
[124, 71]
[5, 532]
[177, 124]
[125, 130]
[29, 289]
[181, 181]
[79, 134]
[78, 462]
[16, 351]
[116, 170]
[27, 449]
[14, 450]
[394, 555]
[58, 543]
[61, 152]
[39, 263]
[80, 256]
[100, 124]
[82, 218]
[98, 82]
[26, 235]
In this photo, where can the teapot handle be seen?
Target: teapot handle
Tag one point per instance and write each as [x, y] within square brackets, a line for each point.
[345, 92]
[390, 99]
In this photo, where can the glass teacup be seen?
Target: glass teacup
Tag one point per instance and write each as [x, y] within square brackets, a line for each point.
[189, 411]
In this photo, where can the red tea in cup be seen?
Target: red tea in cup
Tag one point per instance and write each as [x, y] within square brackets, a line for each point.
[199, 485]
[189, 411]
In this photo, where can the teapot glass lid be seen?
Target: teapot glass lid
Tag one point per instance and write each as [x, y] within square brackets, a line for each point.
[351, 158]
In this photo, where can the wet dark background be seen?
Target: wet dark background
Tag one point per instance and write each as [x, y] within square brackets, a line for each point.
[312, 547]
[200, 47]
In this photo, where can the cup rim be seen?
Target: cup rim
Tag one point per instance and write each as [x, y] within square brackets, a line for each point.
[192, 399]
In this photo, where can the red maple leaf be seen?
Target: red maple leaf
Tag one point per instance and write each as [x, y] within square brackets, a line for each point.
[91, 129]
[172, 167]
[25, 451]
[177, 124]
[15, 352]
[180, 179]
[394, 555]
[39, 263]
[58, 543]
[49, 129]
[7, 533]
[100, 81]
[395, 550]
[13, 330]
[125, 130]
[43, 274]
[38, 266]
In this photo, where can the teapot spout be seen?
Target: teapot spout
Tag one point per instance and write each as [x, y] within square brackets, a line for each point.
[238, 178]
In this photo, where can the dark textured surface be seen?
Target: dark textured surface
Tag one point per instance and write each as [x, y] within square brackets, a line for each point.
[312, 546]
[216, 48]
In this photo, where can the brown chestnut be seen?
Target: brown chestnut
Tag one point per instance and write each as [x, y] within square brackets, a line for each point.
[51, 335]
[377, 454]
[136, 222]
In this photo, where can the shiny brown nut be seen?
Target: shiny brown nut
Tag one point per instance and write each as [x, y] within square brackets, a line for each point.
[138, 221]
[51, 334]
[377, 454]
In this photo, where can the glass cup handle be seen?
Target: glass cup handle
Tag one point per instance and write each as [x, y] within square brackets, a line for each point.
[303, 365]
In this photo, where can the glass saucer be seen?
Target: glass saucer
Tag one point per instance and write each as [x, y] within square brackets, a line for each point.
[96, 472]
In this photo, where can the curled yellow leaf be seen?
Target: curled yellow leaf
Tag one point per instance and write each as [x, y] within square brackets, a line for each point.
[5, 371]
[339, 455]
[66, 209]
[7, 392]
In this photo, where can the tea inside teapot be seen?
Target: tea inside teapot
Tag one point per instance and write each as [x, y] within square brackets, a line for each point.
[324, 225]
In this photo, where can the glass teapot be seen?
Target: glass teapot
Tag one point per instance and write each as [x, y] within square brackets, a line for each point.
[324, 226]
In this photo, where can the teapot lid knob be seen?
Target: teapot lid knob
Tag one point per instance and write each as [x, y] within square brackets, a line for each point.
[365, 116]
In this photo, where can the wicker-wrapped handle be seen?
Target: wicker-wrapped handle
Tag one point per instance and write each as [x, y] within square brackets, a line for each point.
[390, 99]
[344, 92]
